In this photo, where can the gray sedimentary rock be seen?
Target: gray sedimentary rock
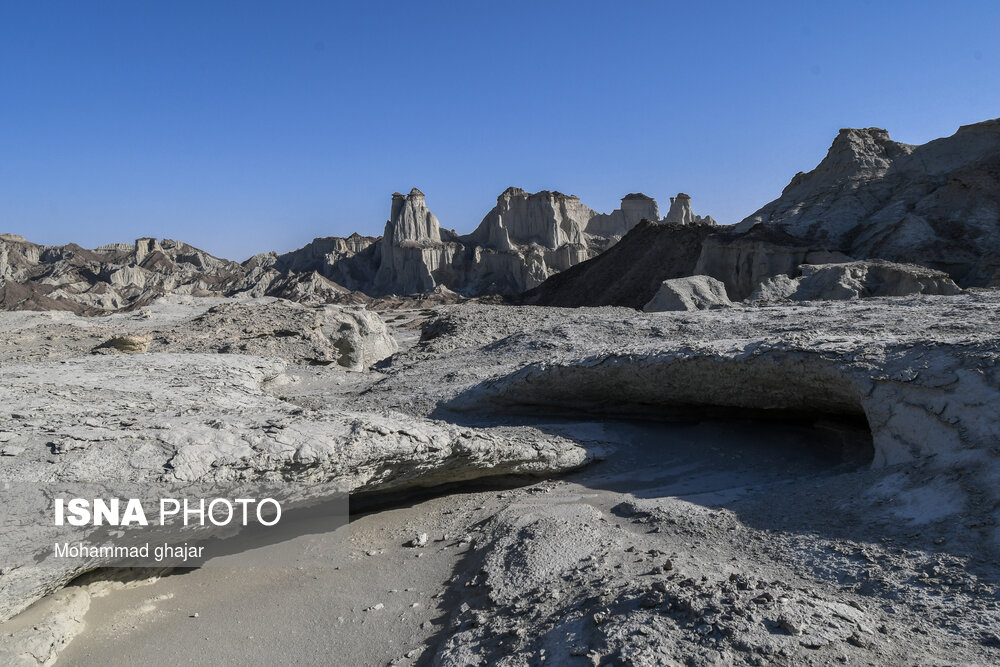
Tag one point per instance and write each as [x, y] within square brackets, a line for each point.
[348, 263]
[855, 280]
[916, 370]
[847, 357]
[196, 416]
[634, 208]
[108, 278]
[348, 337]
[743, 261]
[872, 197]
[630, 272]
[549, 219]
[691, 293]
[523, 240]
[411, 249]
[680, 210]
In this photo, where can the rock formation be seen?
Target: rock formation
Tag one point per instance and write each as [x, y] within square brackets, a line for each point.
[630, 272]
[935, 205]
[193, 412]
[680, 210]
[350, 263]
[547, 219]
[854, 280]
[522, 241]
[411, 249]
[691, 293]
[743, 261]
[872, 197]
[681, 213]
[227, 399]
[108, 278]
[127, 344]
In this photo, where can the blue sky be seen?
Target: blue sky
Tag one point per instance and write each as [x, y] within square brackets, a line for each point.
[241, 127]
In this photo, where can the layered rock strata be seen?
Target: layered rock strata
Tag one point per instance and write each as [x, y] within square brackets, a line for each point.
[522, 241]
[872, 197]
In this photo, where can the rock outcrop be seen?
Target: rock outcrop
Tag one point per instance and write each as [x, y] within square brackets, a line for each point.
[630, 272]
[109, 278]
[349, 263]
[742, 261]
[680, 210]
[194, 414]
[127, 344]
[522, 241]
[691, 293]
[854, 280]
[937, 204]
[411, 249]
[547, 219]
[915, 372]
[347, 337]
[681, 213]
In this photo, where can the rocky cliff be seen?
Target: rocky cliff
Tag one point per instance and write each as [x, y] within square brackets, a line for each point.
[523, 240]
[937, 204]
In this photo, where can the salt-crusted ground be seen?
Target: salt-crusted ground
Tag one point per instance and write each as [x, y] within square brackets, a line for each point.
[762, 525]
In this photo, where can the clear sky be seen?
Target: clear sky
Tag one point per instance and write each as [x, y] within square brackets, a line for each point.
[244, 126]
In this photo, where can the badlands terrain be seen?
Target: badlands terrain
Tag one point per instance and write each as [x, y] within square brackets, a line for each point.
[567, 437]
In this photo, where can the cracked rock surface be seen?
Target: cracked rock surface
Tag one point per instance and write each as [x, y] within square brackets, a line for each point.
[786, 484]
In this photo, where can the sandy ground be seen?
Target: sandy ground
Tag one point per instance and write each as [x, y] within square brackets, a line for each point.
[378, 601]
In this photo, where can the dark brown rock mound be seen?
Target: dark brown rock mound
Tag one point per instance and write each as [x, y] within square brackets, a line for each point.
[630, 272]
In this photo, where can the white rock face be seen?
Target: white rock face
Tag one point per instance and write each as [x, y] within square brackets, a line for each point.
[193, 413]
[548, 219]
[411, 220]
[680, 210]
[411, 248]
[522, 241]
[855, 280]
[634, 208]
[692, 293]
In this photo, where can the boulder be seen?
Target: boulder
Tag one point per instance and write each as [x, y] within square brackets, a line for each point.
[128, 344]
[691, 293]
[855, 280]
[347, 337]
